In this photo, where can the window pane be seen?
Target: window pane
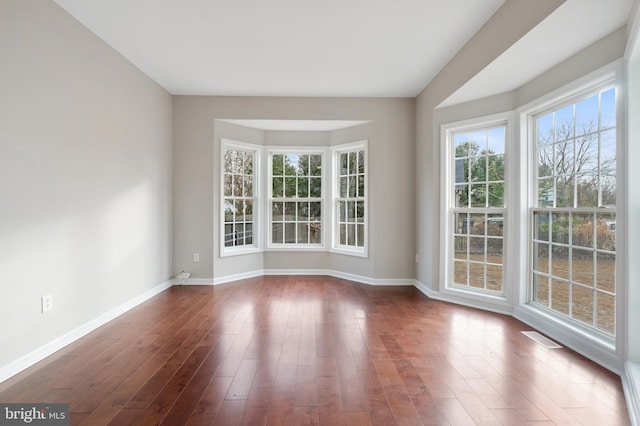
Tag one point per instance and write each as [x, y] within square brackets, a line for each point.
[496, 194]
[560, 261]
[545, 161]
[290, 211]
[361, 168]
[545, 192]
[229, 208]
[476, 274]
[541, 226]
[544, 127]
[278, 185]
[291, 165]
[541, 289]
[361, 192]
[315, 211]
[343, 234]
[494, 278]
[462, 195]
[277, 211]
[351, 234]
[479, 195]
[496, 140]
[582, 304]
[228, 235]
[495, 224]
[587, 190]
[587, 154]
[316, 187]
[564, 191]
[606, 232]
[277, 233]
[277, 164]
[239, 210]
[608, 150]
[228, 185]
[316, 165]
[494, 248]
[541, 257]
[564, 123]
[606, 313]
[560, 296]
[303, 187]
[582, 266]
[587, 115]
[303, 233]
[344, 187]
[353, 186]
[248, 210]
[582, 230]
[360, 235]
[460, 273]
[460, 247]
[248, 186]
[606, 272]
[290, 187]
[303, 165]
[303, 211]
[315, 233]
[342, 211]
[351, 211]
[352, 163]
[344, 164]
[289, 233]
[248, 233]
[248, 163]
[238, 182]
[608, 108]
[359, 211]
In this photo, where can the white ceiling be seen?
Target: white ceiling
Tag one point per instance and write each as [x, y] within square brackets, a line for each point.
[341, 48]
[573, 26]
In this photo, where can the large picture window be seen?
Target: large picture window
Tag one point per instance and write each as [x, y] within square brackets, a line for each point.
[239, 197]
[296, 201]
[574, 211]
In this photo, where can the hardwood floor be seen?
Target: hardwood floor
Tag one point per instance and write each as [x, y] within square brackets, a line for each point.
[317, 350]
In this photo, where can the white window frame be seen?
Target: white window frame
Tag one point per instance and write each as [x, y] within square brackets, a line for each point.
[605, 349]
[280, 150]
[257, 245]
[336, 247]
[500, 302]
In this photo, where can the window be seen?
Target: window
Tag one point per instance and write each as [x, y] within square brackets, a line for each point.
[240, 204]
[350, 229]
[573, 239]
[296, 200]
[476, 194]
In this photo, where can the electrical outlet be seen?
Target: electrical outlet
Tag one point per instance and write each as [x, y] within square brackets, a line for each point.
[47, 303]
[196, 257]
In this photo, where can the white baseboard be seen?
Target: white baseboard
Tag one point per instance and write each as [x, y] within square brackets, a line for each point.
[631, 386]
[327, 272]
[491, 304]
[571, 337]
[58, 343]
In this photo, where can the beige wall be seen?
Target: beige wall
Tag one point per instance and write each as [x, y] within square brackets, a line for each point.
[85, 177]
[196, 179]
[513, 20]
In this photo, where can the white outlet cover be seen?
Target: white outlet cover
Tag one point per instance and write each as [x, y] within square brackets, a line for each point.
[47, 303]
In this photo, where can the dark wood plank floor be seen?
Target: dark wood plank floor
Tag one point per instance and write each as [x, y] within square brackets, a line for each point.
[317, 350]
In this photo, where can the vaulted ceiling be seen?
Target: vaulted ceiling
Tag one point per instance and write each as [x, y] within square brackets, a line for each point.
[354, 48]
